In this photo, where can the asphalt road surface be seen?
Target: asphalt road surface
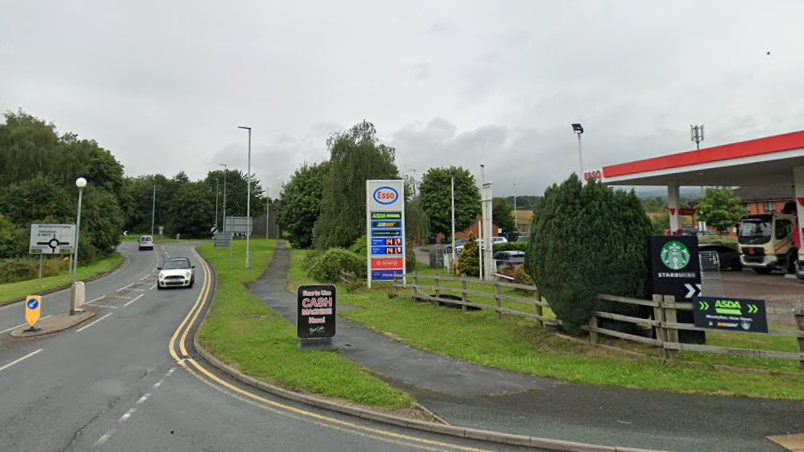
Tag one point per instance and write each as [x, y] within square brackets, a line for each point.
[128, 380]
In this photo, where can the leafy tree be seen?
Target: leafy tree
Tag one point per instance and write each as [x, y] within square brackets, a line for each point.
[36, 200]
[469, 259]
[525, 202]
[355, 156]
[13, 239]
[503, 215]
[720, 208]
[654, 204]
[436, 195]
[192, 210]
[300, 203]
[101, 223]
[588, 240]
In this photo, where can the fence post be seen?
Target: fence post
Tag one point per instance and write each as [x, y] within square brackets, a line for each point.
[670, 316]
[396, 279]
[415, 284]
[464, 298]
[593, 329]
[497, 300]
[658, 316]
[539, 310]
[800, 324]
[437, 290]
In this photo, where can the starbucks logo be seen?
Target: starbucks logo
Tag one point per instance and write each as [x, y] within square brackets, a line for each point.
[675, 255]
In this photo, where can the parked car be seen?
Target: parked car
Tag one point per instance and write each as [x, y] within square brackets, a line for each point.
[458, 245]
[500, 239]
[176, 272]
[507, 261]
[494, 241]
[146, 242]
[522, 238]
[729, 257]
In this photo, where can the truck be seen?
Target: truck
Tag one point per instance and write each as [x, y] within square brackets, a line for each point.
[770, 241]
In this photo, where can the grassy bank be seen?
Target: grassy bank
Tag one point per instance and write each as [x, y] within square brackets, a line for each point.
[14, 291]
[243, 332]
[516, 344]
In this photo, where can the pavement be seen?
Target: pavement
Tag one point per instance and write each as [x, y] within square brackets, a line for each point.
[129, 380]
[475, 396]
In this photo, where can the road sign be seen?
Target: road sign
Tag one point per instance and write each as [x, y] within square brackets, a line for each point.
[51, 239]
[33, 306]
[385, 225]
[732, 314]
[315, 311]
[238, 225]
[222, 239]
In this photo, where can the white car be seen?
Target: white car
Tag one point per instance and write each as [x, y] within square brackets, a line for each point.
[494, 241]
[177, 272]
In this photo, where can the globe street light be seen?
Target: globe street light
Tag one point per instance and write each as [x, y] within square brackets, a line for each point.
[452, 185]
[578, 129]
[248, 199]
[80, 183]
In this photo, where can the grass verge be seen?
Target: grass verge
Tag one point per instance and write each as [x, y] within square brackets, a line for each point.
[16, 290]
[246, 334]
[516, 344]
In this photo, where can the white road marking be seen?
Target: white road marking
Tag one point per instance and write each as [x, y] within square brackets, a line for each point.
[128, 414]
[144, 398]
[159, 383]
[96, 299]
[105, 306]
[170, 372]
[120, 296]
[125, 287]
[153, 287]
[18, 360]
[138, 290]
[23, 324]
[103, 438]
[135, 299]
[96, 321]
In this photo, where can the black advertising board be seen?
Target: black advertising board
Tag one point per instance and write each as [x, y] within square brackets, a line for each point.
[733, 314]
[315, 311]
[674, 266]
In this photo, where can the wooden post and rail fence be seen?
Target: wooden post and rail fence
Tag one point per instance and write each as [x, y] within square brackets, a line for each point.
[664, 322]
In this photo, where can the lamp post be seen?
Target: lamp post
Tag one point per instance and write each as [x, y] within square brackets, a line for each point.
[153, 210]
[515, 225]
[225, 170]
[217, 188]
[578, 129]
[80, 183]
[452, 188]
[248, 198]
[697, 135]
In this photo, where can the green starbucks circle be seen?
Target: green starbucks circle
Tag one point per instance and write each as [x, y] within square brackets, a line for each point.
[675, 255]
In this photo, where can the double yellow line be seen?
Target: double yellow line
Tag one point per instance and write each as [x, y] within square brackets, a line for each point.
[212, 380]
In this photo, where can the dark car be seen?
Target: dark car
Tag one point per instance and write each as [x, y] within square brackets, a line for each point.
[507, 261]
[729, 257]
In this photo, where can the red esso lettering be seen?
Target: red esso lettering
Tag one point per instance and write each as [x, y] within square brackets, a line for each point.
[386, 195]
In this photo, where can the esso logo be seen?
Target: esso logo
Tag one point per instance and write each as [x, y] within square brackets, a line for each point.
[594, 174]
[385, 195]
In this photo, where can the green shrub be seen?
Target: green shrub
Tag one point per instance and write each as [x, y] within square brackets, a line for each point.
[587, 240]
[360, 247]
[469, 261]
[509, 246]
[720, 239]
[521, 276]
[327, 266]
[410, 256]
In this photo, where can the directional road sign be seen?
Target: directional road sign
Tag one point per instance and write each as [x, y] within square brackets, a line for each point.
[33, 306]
[51, 239]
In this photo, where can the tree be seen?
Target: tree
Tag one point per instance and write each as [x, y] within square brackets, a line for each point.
[588, 240]
[654, 204]
[355, 156]
[720, 208]
[469, 259]
[436, 195]
[192, 211]
[300, 203]
[503, 215]
[525, 202]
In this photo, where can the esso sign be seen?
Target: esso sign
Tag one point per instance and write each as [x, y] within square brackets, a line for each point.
[593, 174]
[385, 195]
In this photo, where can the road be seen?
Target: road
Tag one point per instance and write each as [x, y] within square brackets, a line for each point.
[129, 380]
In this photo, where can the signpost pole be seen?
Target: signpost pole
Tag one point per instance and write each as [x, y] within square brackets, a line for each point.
[40, 266]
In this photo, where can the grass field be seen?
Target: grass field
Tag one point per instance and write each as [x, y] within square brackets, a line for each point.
[243, 332]
[515, 344]
[13, 291]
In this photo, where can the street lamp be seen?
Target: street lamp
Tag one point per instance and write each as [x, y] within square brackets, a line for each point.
[578, 129]
[248, 199]
[225, 170]
[153, 211]
[217, 189]
[80, 183]
[452, 185]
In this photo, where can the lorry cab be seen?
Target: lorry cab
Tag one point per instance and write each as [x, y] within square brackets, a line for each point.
[767, 242]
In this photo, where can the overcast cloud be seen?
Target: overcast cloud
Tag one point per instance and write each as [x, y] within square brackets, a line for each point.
[164, 85]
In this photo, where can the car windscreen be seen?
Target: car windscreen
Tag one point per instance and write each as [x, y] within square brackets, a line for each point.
[754, 232]
[176, 265]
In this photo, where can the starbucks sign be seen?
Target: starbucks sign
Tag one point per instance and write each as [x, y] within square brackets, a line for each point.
[674, 264]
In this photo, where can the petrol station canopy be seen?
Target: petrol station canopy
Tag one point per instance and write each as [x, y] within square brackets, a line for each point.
[762, 161]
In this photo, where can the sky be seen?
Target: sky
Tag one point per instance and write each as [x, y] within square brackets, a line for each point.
[165, 85]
